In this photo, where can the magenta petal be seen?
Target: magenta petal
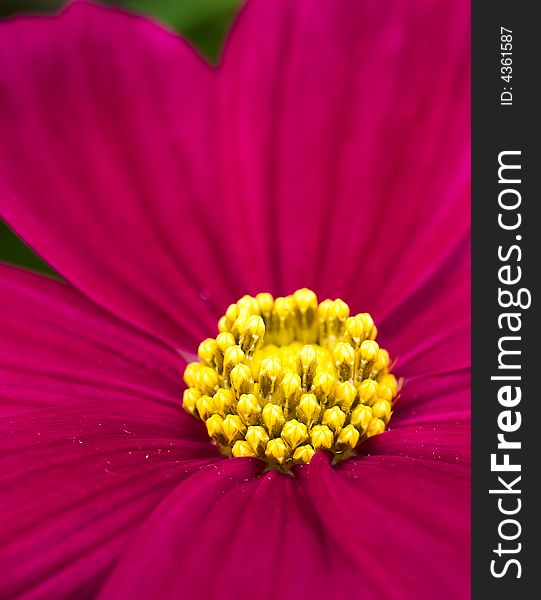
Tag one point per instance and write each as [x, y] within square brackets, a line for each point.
[108, 165]
[435, 398]
[375, 528]
[225, 534]
[428, 334]
[400, 529]
[57, 346]
[441, 444]
[345, 131]
[92, 436]
[76, 484]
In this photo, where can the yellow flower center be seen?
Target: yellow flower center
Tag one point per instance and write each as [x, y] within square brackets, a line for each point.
[286, 377]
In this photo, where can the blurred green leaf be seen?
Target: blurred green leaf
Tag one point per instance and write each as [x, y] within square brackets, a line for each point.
[204, 22]
[15, 252]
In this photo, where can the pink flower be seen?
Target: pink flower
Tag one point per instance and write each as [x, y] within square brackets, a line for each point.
[330, 149]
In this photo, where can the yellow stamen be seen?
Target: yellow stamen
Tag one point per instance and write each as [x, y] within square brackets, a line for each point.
[215, 428]
[334, 418]
[258, 438]
[286, 377]
[321, 437]
[189, 399]
[294, 433]
[361, 418]
[242, 448]
[248, 409]
[308, 409]
[303, 454]
[234, 428]
[347, 438]
[278, 451]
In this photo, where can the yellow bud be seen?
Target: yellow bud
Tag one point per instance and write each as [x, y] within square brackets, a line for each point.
[323, 386]
[305, 299]
[283, 307]
[241, 380]
[249, 304]
[368, 325]
[385, 392]
[291, 390]
[273, 418]
[278, 451]
[215, 428]
[354, 332]
[381, 362]
[265, 302]
[206, 351]
[248, 409]
[382, 410]
[306, 311]
[252, 333]
[224, 341]
[345, 395]
[234, 428]
[294, 433]
[361, 417]
[368, 352]
[344, 359]
[189, 398]
[388, 380]
[205, 407]
[323, 309]
[271, 374]
[339, 311]
[303, 454]
[239, 324]
[191, 372]
[306, 366]
[242, 449]
[376, 426]
[207, 380]
[308, 409]
[257, 437]
[348, 438]
[233, 356]
[334, 418]
[222, 324]
[322, 437]
[224, 401]
[283, 321]
[368, 390]
[231, 315]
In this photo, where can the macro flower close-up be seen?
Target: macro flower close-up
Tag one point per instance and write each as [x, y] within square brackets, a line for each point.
[249, 376]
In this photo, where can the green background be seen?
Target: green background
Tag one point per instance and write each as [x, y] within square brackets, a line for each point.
[204, 22]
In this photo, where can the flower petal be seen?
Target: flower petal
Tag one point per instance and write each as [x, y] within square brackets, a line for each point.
[346, 126]
[327, 532]
[400, 528]
[76, 484]
[108, 165]
[428, 333]
[92, 436]
[57, 346]
[443, 443]
[228, 533]
[435, 398]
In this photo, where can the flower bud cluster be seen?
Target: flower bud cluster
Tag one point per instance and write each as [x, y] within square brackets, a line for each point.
[289, 376]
